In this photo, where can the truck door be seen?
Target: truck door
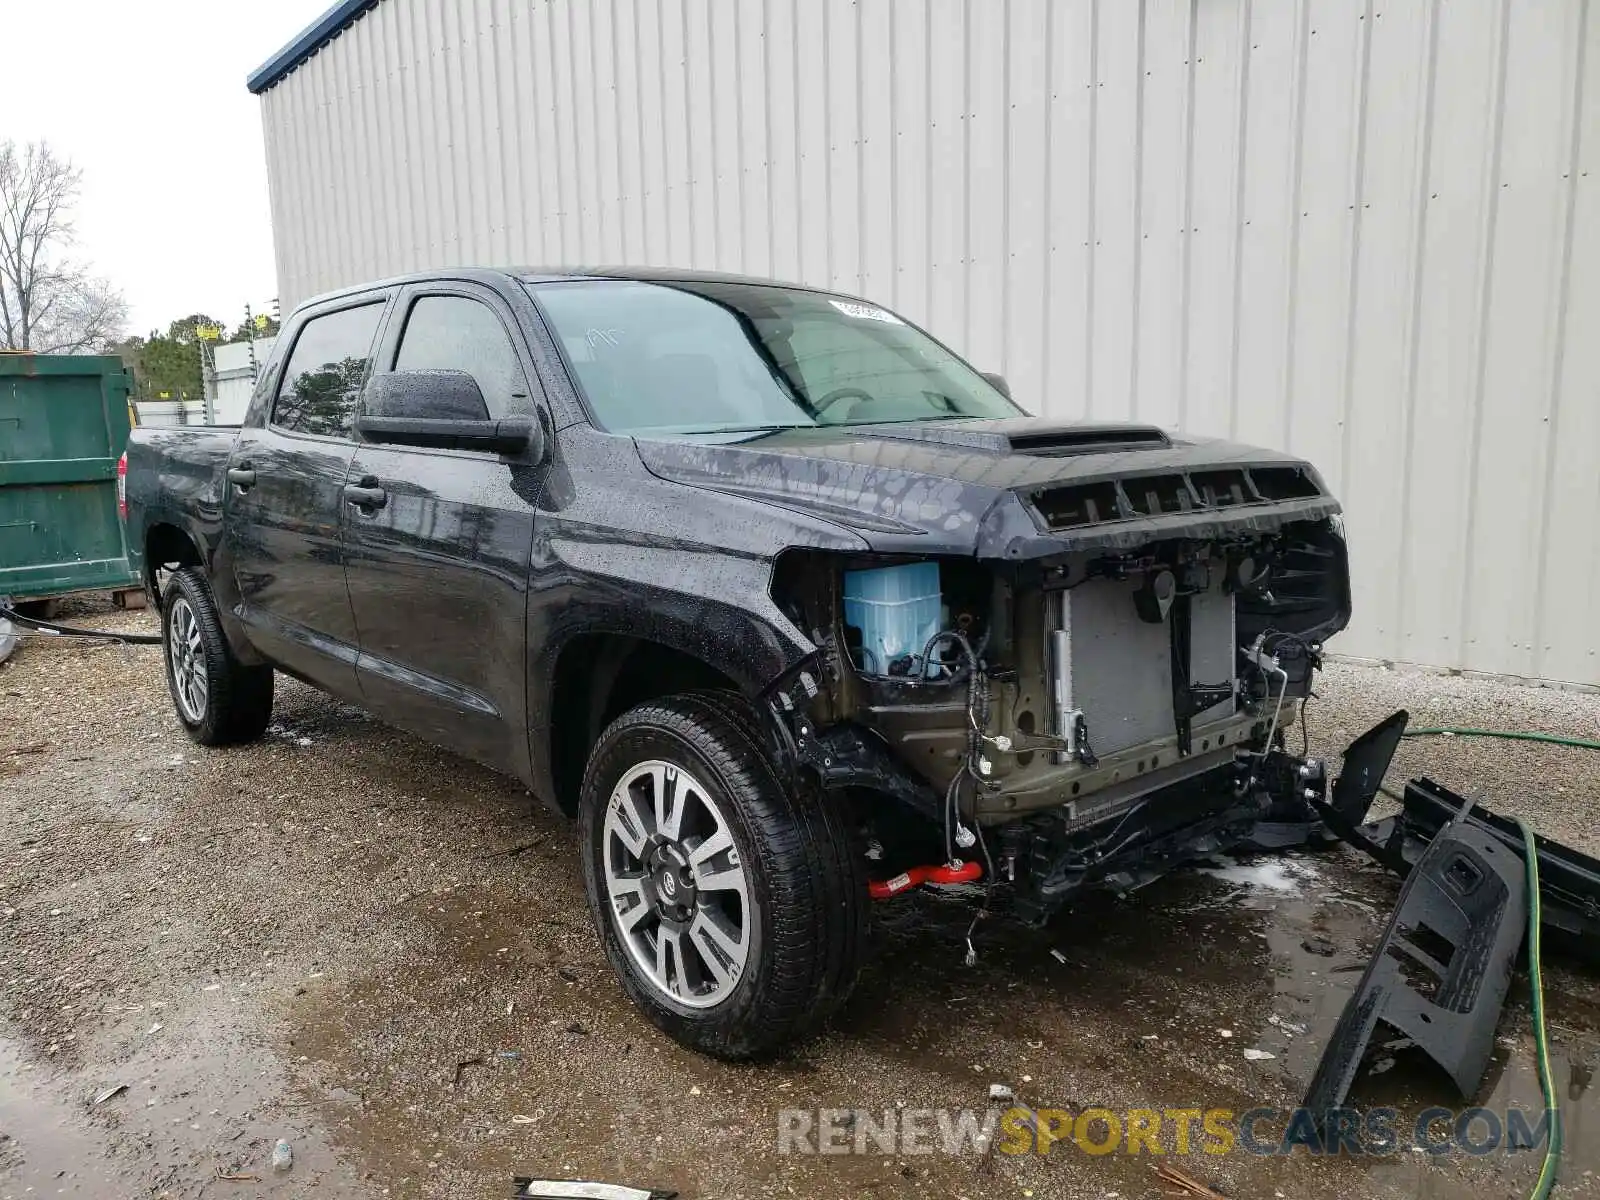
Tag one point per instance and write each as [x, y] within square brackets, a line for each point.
[285, 499]
[437, 542]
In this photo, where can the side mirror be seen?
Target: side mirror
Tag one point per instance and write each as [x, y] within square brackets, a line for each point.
[998, 382]
[441, 410]
[436, 395]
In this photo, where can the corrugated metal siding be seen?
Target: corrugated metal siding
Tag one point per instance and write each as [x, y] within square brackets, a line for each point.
[1368, 232]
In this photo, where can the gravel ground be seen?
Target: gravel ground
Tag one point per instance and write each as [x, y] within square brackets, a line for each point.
[359, 943]
[1554, 787]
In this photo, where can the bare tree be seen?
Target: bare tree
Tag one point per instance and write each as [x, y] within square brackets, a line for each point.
[49, 303]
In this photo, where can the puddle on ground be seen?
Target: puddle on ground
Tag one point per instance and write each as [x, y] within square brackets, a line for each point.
[47, 1147]
[186, 1119]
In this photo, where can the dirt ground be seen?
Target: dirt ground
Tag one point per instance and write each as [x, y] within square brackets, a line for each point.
[379, 952]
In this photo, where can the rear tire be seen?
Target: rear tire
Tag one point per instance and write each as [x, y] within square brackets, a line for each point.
[218, 699]
[787, 930]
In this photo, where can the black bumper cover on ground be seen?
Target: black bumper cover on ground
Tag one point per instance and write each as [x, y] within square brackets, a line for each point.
[1440, 972]
[1442, 968]
[1569, 881]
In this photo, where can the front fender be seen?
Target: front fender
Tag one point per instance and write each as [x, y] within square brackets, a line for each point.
[711, 607]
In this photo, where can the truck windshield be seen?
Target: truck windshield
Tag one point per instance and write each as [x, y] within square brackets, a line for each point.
[694, 356]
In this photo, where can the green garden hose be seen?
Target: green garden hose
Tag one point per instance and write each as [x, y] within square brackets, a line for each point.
[1511, 735]
[1546, 1182]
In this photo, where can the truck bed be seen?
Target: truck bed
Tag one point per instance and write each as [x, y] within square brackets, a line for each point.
[175, 477]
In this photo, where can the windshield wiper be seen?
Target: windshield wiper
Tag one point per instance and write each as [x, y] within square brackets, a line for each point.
[739, 429]
[937, 416]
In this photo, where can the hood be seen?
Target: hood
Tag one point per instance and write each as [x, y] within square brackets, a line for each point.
[1013, 488]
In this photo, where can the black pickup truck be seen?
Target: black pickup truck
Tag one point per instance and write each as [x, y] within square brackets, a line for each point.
[789, 606]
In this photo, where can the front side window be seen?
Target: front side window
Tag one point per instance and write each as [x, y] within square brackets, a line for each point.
[326, 369]
[685, 357]
[454, 333]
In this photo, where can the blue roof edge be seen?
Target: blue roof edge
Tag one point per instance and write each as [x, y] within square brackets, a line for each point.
[311, 39]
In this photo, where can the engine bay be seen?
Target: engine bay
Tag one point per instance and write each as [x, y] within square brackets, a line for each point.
[1069, 721]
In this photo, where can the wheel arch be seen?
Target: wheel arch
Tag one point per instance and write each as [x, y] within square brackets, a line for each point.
[170, 540]
[594, 678]
[167, 544]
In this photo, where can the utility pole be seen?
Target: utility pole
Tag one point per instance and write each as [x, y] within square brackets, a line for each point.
[251, 325]
[208, 373]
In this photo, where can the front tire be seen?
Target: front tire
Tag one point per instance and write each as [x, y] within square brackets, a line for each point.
[218, 699]
[719, 900]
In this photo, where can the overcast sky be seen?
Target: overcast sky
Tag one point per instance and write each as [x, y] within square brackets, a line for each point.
[148, 99]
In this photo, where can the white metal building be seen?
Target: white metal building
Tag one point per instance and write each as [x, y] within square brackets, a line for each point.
[234, 367]
[1364, 230]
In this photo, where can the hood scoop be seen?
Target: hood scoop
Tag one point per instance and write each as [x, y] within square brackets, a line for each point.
[1089, 439]
[1023, 435]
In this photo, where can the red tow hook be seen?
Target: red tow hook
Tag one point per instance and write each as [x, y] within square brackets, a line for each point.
[967, 872]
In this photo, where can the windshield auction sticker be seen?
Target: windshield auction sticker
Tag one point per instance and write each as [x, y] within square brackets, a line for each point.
[866, 312]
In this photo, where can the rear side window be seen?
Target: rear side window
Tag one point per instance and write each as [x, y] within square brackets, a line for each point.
[454, 333]
[326, 369]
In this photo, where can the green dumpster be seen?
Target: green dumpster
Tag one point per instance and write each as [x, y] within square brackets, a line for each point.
[63, 425]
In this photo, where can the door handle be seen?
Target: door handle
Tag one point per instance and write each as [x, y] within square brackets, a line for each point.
[366, 494]
[241, 477]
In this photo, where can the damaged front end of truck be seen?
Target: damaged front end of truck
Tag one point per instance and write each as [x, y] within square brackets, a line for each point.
[1098, 692]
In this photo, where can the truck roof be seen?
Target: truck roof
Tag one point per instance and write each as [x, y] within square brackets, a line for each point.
[555, 274]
